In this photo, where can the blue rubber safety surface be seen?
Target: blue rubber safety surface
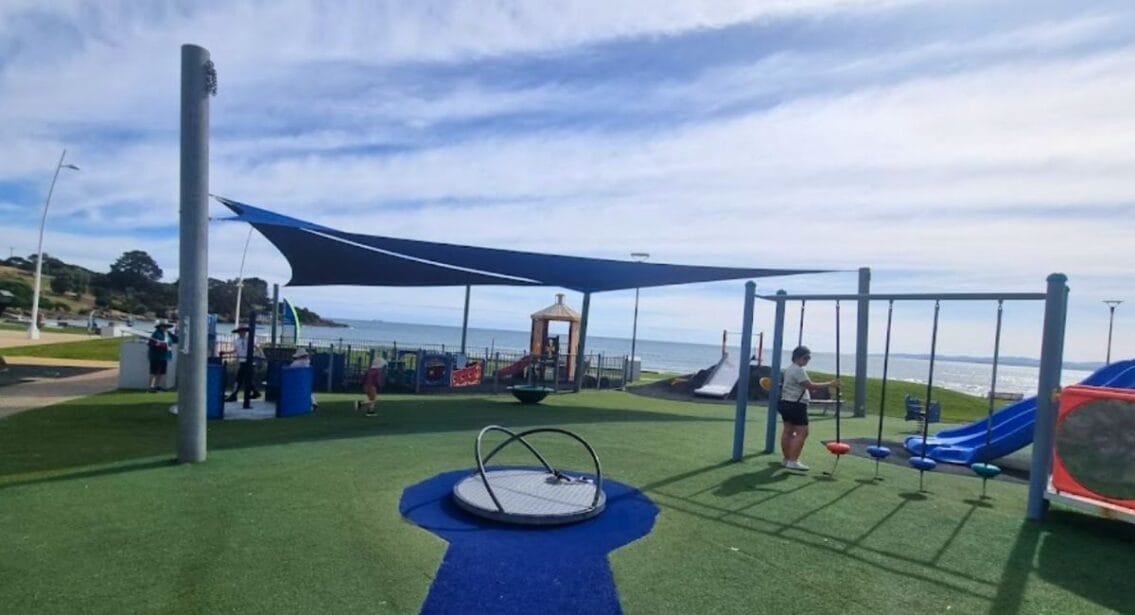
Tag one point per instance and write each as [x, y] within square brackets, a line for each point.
[505, 569]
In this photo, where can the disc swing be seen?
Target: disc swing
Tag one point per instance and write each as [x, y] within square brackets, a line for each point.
[879, 452]
[922, 463]
[987, 470]
[837, 447]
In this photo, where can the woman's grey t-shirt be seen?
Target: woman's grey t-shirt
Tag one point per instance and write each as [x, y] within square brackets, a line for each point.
[792, 389]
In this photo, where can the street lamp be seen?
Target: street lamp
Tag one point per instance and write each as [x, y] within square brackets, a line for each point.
[33, 328]
[638, 256]
[240, 278]
[1111, 304]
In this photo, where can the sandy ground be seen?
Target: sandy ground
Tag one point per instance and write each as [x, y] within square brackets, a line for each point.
[50, 391]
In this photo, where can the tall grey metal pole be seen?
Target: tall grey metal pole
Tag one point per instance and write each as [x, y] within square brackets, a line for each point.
[774, 377]
[634, 335]
[198, 81]
[33, 328]
[639, 257]
[275, 314]
[1048, 384]
[240, 276]
[743, 371]
[1111, 304]
[863, 310]
[581, 350]
[465, 319]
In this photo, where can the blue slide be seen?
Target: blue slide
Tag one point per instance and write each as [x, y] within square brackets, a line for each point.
[1012, 426]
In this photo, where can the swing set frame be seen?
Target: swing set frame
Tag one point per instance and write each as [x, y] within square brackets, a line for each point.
[1055, 300]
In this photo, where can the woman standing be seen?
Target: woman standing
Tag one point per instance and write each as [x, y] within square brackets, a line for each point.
[793, 407]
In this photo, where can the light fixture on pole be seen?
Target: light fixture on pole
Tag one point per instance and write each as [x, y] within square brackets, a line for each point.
[638, 256]
[1111, 305]
[33, 328]
[240, 278]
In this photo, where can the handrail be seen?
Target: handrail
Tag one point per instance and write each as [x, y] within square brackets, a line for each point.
[513, 436]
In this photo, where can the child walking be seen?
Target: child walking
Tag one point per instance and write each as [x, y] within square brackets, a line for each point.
[372, 383]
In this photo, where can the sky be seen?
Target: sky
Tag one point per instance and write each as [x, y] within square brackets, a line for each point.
[950, 146]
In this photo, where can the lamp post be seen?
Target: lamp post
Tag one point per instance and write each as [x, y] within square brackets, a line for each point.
[33, 328]
[240, 278]
[1111, 305]
[638, 256]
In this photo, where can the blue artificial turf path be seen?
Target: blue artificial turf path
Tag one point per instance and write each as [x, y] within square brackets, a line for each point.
[506, 569]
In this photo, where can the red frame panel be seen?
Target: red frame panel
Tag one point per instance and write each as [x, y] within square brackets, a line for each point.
[1072, 398]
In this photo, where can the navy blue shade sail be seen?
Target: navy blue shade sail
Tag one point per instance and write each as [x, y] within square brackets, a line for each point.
[322, 256]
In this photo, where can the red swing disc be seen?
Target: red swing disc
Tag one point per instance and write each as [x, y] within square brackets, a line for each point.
[838, 448]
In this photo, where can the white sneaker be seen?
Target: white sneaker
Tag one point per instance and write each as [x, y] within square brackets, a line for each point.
[796, 465]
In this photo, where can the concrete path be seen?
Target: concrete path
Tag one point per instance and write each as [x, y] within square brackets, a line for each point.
[10, 339]
[50, 391]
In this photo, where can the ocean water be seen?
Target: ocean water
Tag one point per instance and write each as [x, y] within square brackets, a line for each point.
[680, 357]
[677, 357]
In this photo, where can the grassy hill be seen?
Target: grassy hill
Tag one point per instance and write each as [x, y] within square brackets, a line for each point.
[59, 303]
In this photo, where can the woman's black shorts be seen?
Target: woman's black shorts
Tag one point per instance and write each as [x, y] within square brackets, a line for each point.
[795, 412]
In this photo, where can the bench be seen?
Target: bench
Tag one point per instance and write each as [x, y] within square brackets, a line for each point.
[823, 399]
[914, 410]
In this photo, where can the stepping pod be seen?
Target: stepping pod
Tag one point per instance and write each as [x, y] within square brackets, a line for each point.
[986, 471]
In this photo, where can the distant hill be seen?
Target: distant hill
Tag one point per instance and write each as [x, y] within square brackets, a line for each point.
[132, 287]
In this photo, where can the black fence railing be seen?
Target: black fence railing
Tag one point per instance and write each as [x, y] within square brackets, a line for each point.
[341, 365]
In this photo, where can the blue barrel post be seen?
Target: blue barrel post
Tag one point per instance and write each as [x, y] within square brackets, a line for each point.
[295, 391]
[272, 383]
[214, 389]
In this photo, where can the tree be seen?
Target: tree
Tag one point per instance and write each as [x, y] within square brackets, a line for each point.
[82, 280]
[135, 269]
[51, 265]
[63, 282]
[21, 291]
[20, 262]
[253, 296]
[102, 297]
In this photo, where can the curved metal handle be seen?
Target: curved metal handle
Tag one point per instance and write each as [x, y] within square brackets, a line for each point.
[513, 436]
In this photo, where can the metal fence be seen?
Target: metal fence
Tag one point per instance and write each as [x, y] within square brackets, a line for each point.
[347, 361]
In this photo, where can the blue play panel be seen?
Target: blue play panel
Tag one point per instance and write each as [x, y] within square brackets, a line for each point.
[492, 567]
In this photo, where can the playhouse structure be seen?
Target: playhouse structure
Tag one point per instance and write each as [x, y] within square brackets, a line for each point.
[547, 349]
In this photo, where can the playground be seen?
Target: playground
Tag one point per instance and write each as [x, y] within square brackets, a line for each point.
[303, 515]
[331, 511]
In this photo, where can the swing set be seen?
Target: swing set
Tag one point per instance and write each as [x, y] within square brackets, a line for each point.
[1051, 358]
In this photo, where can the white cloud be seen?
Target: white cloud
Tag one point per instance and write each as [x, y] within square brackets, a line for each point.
[932, 173]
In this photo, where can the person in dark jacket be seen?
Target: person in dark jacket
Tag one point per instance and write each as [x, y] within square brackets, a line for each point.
[160, 354]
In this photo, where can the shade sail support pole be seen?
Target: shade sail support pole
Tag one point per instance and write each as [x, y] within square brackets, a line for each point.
[581, 350]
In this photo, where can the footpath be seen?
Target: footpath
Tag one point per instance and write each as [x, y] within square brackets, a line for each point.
[47, 391]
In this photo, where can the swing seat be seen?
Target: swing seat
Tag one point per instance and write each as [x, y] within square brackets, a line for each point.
[879, 452]
[922, 464]
[838, 448]
[985, 470]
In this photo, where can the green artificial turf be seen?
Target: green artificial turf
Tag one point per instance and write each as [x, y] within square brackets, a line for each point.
[100, 349]
[301, 515]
